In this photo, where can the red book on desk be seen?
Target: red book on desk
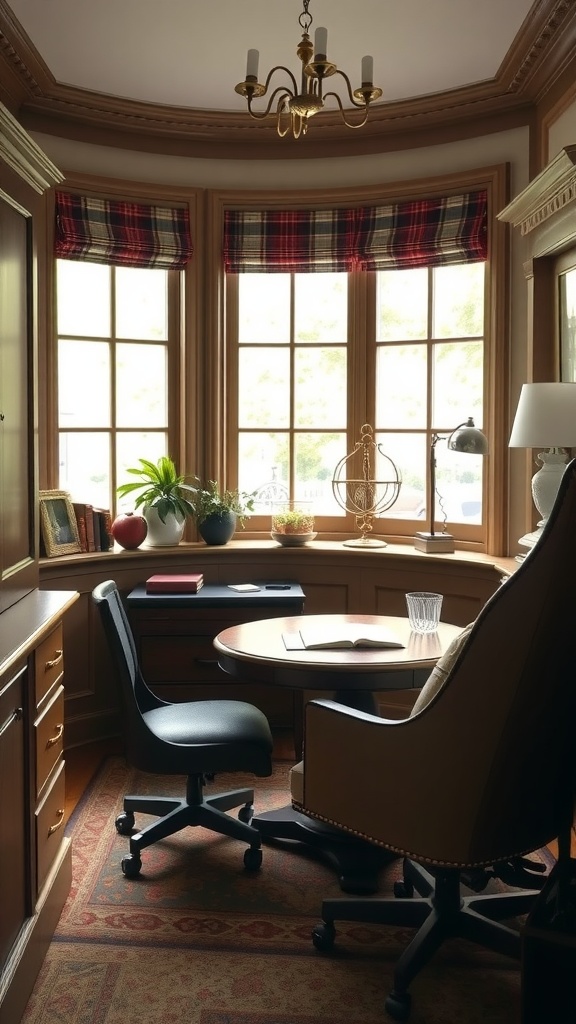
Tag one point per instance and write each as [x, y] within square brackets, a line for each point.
[183, 583]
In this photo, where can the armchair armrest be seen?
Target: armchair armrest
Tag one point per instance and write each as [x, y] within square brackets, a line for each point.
[381, 779]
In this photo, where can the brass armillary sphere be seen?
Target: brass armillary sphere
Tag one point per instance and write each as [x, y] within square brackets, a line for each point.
[366, 483]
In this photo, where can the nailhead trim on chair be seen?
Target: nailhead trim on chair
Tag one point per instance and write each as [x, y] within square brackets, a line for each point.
[460, 865]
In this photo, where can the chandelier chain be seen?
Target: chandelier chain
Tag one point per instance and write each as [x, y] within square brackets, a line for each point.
[305, 19]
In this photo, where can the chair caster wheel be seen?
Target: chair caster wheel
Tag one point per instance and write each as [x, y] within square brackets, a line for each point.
[253, 858]
[403, 890]
[246, 813]
[124, 823]
[398, 1005]
[131, 865]
[323, 936]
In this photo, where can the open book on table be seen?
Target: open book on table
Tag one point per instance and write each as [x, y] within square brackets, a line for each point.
[346, 635]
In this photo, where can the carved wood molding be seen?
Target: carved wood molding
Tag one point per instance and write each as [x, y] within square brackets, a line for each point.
[22, 154]
[549, 192]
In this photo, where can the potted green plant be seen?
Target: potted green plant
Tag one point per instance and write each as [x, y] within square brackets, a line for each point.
[292, 523]
[219, 512]
[160, 492]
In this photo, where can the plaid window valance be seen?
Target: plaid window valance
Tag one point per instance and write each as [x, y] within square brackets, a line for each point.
[426, 232]
[124, 234]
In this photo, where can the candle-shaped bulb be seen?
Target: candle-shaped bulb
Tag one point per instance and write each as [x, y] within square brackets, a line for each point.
[367, 70]
[252, 63]
[320, 42]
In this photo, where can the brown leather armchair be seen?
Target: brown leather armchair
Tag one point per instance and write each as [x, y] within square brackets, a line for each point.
[482, 774]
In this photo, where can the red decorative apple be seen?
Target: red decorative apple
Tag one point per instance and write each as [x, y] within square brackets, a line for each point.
[129, 530]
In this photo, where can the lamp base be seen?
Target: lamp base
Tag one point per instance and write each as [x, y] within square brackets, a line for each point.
[364, 542]
[529, 539]
[431, 542]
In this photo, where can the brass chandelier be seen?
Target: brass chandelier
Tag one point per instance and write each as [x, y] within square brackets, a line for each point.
[294, 108]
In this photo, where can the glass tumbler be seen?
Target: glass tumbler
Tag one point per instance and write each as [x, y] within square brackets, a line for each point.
[424, 611]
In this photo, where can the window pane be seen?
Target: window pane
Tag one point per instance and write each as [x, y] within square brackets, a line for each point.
[83, 384]
[264, 460]
[458, 486]
[457, 384]
[401, 386]
[264, 387]
[459, 301]
[130, 448]
[409, 453]
[141, 385]
[141, 304]
[264, 309]
[401, 304]
[316, 458]
[321, 308]
[83, 299]
[325, 405]
[85, 467]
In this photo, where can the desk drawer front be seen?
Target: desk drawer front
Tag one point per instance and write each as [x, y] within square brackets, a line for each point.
[49, 730]
[50, 825]
[49, 662]
[180, 659]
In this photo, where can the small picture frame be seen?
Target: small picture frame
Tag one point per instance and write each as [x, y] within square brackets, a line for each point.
[58, 526]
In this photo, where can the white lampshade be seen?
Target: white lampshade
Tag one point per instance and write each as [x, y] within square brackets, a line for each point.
[545, 417]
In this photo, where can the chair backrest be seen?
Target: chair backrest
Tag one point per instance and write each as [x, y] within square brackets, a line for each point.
[500, 733]
[136, 697]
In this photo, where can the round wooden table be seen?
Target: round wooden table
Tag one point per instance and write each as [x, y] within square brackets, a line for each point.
[271, 651]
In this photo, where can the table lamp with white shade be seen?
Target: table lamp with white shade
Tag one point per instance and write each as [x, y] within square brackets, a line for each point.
[545, 418]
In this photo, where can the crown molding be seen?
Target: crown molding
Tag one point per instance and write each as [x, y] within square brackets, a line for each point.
[22, 154]
[546, 195]
[543, 50]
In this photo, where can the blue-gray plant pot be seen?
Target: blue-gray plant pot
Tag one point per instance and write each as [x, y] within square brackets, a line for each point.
[218, 528]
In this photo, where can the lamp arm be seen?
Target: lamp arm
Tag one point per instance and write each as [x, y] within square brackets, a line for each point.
[433, 443]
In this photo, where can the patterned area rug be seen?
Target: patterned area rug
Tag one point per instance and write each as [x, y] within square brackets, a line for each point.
[197, 940]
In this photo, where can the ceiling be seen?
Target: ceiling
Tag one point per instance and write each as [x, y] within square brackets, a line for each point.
[169, 67]
[192, 54]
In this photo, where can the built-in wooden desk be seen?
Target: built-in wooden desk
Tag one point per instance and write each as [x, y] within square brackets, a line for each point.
[174, 634]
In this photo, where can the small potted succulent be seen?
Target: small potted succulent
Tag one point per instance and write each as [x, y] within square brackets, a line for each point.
[161, 493]
[219, 512]
[293, 523]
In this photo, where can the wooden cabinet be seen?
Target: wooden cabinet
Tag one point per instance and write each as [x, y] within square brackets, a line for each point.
[35, 872]
[13, 887]
[35, 860]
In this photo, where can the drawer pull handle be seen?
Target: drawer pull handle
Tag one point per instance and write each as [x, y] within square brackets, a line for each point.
[57, 736]
[55, 661]
[14, 717]
[59, 823]
[206, 662]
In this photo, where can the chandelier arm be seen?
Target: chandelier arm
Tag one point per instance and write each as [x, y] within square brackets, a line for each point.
[348, 123]
[281, 90]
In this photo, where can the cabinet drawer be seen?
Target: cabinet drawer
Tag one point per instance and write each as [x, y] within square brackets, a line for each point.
[49, 733]
[49, 662]
[180, 659]
[50, 825]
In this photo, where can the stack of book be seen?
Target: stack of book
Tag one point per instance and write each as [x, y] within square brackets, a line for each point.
[94, 527]
[182, 583]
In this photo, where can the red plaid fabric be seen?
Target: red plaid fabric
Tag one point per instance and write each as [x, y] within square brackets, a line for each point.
[427, 232]
[123, 234]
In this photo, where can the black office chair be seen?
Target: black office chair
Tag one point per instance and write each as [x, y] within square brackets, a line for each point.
[195, 738]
